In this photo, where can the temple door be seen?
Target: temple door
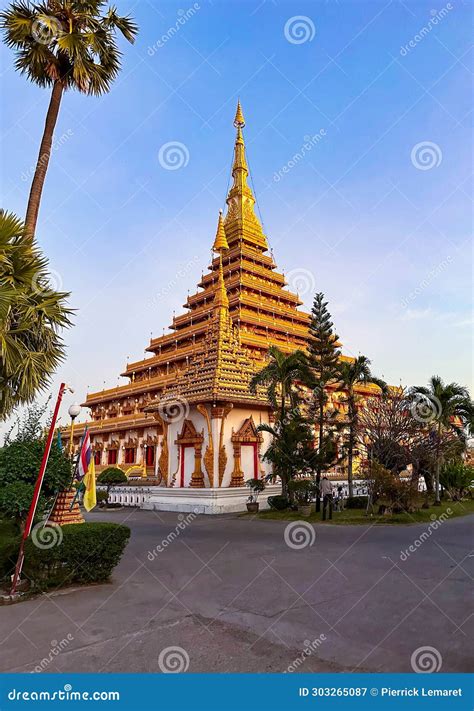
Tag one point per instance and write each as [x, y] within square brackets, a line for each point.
[249, 454]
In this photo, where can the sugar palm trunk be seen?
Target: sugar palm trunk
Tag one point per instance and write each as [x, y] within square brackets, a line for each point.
[37, 184]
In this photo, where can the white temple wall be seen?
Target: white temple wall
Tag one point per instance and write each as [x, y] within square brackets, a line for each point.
[235, 420]
[174, 430]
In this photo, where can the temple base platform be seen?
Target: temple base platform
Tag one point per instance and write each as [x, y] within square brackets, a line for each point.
[186, 500]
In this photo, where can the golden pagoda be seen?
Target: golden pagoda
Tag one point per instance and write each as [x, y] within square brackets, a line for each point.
[187, 412]
[66, 509]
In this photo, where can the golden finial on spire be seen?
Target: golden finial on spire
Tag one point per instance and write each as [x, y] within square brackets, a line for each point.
[220, 242]
[239, 121]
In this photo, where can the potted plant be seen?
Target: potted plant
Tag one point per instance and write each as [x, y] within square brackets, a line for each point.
[255, 486]
[303, 491]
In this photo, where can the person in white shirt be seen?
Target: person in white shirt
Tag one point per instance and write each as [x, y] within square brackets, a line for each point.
[326, 492]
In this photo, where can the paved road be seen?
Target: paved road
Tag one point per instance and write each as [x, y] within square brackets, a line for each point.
[235, 596]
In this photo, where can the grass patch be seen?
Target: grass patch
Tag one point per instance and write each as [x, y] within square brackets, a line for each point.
[358, 516]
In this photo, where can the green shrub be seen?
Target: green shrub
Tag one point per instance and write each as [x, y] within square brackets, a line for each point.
[21, 456]
[356, 502]
[101, 497]
[279, 503]
[15, 501]
[9, 544]
[87, 553]
[303, 490]
[456, 477]
[256, 486]
[110, 477]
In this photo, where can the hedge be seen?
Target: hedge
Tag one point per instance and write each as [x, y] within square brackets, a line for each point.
[278, 502]
[9, 543]
[356, 502]
[87, 553]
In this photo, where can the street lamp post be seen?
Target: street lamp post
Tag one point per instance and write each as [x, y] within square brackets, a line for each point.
[73, 411]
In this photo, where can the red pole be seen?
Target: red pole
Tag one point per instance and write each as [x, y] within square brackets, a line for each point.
[36, 492]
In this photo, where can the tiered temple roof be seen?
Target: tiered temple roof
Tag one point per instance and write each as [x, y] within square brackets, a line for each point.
[259, 312]
[240, 308]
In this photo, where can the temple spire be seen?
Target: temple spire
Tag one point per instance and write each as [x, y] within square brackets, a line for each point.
[240, 169]
[239, 120]
[241, 221]
[220, 242]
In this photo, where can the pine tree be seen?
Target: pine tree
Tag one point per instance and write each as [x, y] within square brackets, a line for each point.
[323, 357]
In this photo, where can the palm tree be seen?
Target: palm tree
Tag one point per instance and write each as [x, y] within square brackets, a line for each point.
[449, 408]
[290, 434]
[280, 376]
[352, 373]
[290, 450]
[63, 44]
[32, 314]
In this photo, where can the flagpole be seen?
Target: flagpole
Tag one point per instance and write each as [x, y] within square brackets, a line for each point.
[37, 490]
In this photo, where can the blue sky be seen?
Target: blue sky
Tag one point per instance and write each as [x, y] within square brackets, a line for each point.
[370, 215]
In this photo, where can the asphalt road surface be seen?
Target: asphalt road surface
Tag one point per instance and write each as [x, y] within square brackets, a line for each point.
[243, 595]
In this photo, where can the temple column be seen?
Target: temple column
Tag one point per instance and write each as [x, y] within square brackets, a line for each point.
[215, 422]
[197, 477]
[237, 473]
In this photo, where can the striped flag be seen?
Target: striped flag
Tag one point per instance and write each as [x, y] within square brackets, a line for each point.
[60, 441]
[85, 456]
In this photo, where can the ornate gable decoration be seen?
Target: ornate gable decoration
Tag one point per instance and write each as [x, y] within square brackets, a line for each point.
[248, 432]
[189, 434]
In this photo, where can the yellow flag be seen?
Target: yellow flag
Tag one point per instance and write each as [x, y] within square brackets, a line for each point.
[90, 498]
